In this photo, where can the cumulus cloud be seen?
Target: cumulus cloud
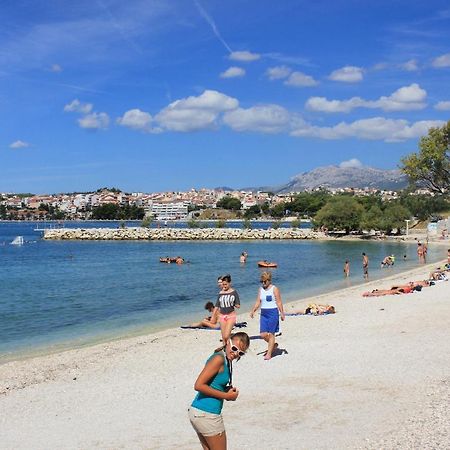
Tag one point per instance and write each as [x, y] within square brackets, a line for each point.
[94, 121]
[244, 56]
[406, 98]
[78, 107]
[233, 72]
[376, 128]
[278, 72]
[410, 66]
[55, 68]
[19, 144]
[195, 113]
[136, 120]
[299, 79]
[347, 74]
[263, 119]
[441, 61]
[351, 163]
[442, 106]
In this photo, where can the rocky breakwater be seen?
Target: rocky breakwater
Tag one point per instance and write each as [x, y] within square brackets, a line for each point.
[176, 234]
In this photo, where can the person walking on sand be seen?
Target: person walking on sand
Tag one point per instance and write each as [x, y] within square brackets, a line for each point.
[227, 301]
[346, 269]
[213, 386]
[269, 299]
[365, 265]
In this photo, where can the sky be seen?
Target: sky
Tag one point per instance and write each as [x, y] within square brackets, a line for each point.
[156, 95]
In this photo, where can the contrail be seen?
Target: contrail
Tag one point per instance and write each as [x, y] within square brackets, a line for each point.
[212, 24]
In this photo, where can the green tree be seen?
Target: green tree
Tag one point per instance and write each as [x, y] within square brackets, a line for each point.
[372, 219]
[394, 217]
[221, 223]
[308, 203]
[252, 212]
[340, 213]
[295, 223]
[147, 222]
[247, 224]
[278, 210]
[276, 224]
[431, 165]
[424, 206]
[192, 223]
[229, 202]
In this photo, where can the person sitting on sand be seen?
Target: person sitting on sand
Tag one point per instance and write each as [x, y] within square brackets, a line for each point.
[213, 386]
[438, 275]
[211, 321]
[315, 309]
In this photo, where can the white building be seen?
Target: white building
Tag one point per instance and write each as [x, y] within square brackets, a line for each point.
[168, 211]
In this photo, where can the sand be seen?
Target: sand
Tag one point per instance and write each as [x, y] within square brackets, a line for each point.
[374, 375]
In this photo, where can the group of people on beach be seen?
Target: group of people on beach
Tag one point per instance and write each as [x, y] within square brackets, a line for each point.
[214, 384]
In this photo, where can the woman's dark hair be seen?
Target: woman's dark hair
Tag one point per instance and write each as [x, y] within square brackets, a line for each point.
[227, 278]
[209, 306]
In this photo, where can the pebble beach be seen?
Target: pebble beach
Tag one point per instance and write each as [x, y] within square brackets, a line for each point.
[374, 375]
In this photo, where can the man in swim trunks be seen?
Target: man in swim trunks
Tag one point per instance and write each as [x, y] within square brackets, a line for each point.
[365, 265]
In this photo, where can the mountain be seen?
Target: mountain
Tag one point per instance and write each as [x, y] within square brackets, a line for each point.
[350, 177]
[341, 177]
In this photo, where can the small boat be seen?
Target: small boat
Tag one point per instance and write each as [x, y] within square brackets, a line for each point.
[267, 264]
[18, 240]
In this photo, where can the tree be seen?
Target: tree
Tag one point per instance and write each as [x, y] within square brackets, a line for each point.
[229, 202]
[372, 219]
[431, 165]
[394, 216]
[252, 212]
[340, 213]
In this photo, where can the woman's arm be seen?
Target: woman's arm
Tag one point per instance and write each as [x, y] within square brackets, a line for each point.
[276, 291]
[211, 369]
[256, 305]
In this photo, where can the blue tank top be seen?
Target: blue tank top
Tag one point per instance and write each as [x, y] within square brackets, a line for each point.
[211, 404]
[267, 297]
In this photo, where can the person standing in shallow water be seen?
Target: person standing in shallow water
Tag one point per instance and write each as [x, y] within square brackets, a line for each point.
[213, 386]
[227, 301]
[269, 299]
[365, 265]
[346, 269]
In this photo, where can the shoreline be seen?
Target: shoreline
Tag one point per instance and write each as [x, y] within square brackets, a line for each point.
[154, 329]
[373, 375]
[147, 334]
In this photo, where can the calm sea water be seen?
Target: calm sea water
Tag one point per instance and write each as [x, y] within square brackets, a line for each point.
[56, 295]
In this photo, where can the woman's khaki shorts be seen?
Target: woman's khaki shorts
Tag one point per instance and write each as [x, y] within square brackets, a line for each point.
[205, 423]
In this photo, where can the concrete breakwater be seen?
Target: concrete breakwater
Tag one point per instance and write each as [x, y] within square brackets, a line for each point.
[176, 234]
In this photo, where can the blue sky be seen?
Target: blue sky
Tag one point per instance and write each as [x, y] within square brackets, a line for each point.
[152, 95]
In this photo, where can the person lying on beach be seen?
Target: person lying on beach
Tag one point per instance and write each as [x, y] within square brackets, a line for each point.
[210, 321]
[214, 385]
[438, 275]
[315, 309]
[406, 289]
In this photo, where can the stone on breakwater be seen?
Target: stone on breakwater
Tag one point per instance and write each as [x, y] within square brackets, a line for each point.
[173, 234]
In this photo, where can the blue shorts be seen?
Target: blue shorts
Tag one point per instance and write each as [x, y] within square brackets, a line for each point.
[269, 321]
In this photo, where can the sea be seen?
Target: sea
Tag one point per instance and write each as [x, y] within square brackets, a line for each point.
[56, 295]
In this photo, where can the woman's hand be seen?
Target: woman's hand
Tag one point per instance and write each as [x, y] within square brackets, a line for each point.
[282, 316]
[252, 313]
[232, 395]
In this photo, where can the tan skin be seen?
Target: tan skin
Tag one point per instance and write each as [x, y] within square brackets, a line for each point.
[211, 369]
[226, 327]
[269, 337]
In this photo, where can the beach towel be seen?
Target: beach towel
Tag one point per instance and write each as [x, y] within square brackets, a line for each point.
[236, 325]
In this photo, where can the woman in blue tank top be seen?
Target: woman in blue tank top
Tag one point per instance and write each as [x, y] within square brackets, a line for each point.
[269, 299]
[213, 386]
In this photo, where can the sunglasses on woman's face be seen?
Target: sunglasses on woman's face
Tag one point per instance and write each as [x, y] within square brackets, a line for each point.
[234, 349]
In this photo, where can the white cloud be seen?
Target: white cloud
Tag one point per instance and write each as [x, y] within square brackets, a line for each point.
[351, 163]
[376, 128]
[244, 56]
[19, 144]
[78, 107]
[299, 79]
[380, 66]
[195, 113]
[136, 119]
[55, 68]
[410, 66]
[406, 98]
[233, 72]
[442, 106]
[347, 74]
[278, 72]
[94, 121]
[263, 119]
[441, 61]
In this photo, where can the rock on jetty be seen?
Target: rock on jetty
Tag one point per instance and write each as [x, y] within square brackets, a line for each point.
[176, 234]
